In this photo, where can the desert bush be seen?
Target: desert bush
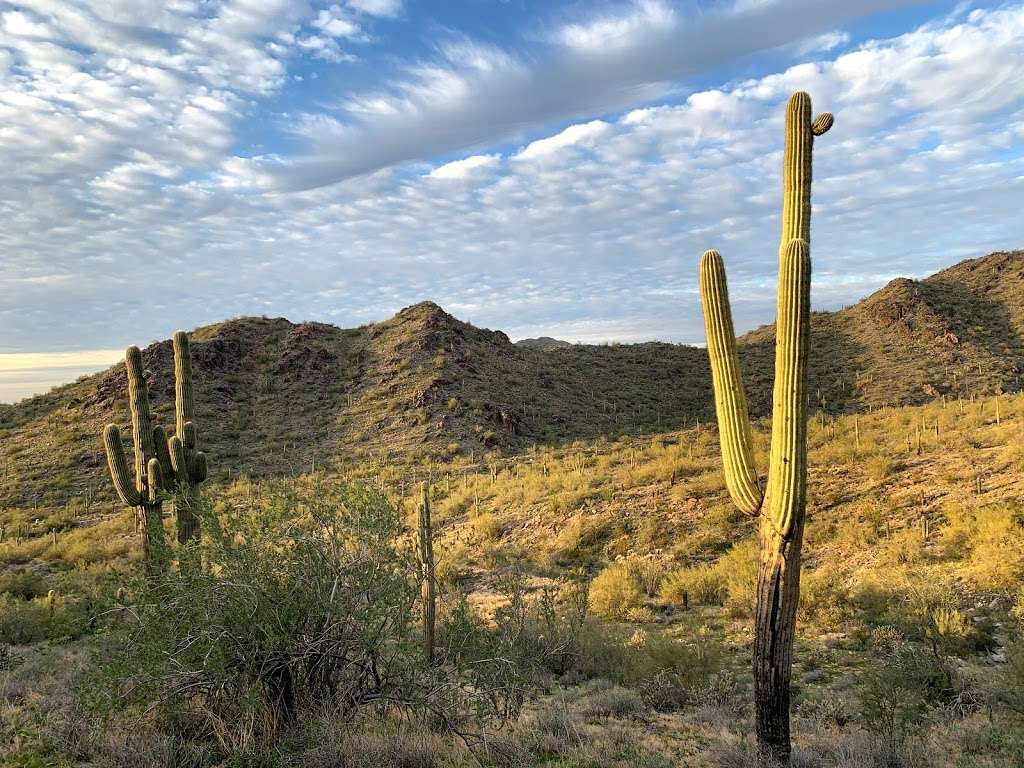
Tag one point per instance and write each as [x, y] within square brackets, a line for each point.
[824, 596]
[611, 701]
[739, 569]
[897, 691]
[700, 585]
[615, 591]
[487, 527]
[552, 730]
[22, 584]
[996, 548]
[649, 573]
[904, 547]
[42, 618]
[306, 603]
[879, 467]
[24, 621]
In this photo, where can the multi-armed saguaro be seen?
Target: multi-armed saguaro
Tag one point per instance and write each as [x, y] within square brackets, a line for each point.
[143, 489]
[160, 464]
[781, 505]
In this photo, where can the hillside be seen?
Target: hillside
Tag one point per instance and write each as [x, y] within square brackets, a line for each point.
[278, 398]
[612, 564]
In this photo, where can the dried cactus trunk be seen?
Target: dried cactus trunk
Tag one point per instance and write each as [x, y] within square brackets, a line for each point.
[143, 490]
[781, 507]
[429, 583]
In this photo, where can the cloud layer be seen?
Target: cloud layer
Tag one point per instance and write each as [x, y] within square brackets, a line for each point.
[129, 211]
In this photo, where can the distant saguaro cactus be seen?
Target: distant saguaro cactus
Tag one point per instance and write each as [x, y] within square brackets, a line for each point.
[143, 490]
[429, 582]
[781, 505]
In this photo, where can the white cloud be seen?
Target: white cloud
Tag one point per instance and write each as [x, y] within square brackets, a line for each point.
[575, 135]
[620, 31]
[377, 7]
[111, 185]
[466, 168]
[486, 95]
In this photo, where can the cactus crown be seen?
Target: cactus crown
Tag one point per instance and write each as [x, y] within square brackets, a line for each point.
[787, 472]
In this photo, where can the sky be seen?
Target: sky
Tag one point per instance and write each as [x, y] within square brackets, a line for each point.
[546, 167]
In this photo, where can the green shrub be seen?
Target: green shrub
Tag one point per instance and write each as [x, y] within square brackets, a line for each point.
[307, 603]
[24, 621]
[898, 691]
[996, 546]
[22, 584]
[739, 567]
[700, 585]
[615, 591]
[824, 597]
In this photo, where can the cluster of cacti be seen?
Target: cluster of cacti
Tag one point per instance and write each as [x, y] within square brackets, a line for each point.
[781, 504]
[161, 464]
[427, 576]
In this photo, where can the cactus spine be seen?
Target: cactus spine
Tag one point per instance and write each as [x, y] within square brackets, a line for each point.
[429, 584]
[781, 506]
[143, 489]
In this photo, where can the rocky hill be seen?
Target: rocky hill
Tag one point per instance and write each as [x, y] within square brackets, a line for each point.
[278, 398]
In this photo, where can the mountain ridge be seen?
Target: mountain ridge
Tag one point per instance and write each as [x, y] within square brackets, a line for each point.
[275, 397]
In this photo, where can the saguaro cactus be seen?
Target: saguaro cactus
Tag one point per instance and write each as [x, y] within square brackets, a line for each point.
[780, 507]
[161, 464]
[188, 465]
[429, 583]
[143, 490]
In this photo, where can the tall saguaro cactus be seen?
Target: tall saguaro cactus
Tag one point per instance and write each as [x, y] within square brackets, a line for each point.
[188, 464]
[780, 507]
[142, 490]
[161, 464]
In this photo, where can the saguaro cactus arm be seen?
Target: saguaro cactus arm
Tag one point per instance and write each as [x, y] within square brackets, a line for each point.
[120, 472]
[155, 480]
[138, 404]
[198, 467]
[730, 400]
[184, 401]
[193, 470]
[787, 472]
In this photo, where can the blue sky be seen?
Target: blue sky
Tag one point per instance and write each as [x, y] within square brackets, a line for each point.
[541, 167]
